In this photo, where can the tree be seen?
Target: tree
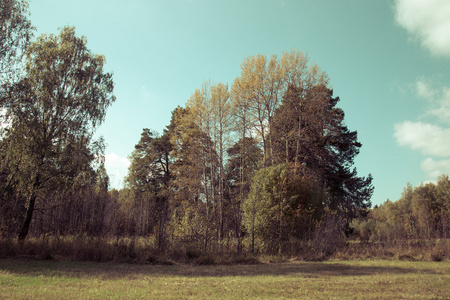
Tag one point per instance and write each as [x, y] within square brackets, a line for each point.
[405, 218]
[298, 125]
[263, 83]
[194, 164]
[421, 212]
[239, 172]
[201, 117]
[310, 133]
[148, 178]
[257, 205]
[222, 118]
[211, 111]
[16, 32]
[281, 206]
[287, 104]
[11, 209]
[426, 209]
[53, 112]
[259, 86]
[443, 201]
[243, 156]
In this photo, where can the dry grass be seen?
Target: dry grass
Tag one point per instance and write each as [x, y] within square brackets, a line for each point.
[24, 279]
[410, 250]
[143, 251]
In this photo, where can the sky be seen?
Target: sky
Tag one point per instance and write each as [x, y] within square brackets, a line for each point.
[387, 60]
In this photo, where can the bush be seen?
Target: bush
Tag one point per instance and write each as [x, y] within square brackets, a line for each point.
[327, 239]
[327, 242]
[8, 248]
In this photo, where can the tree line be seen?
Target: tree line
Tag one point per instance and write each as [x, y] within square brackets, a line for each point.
[422, 212]
[267, 162]
[263, 165]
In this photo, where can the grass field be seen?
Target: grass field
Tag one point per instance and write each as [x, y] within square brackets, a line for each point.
[31, 279]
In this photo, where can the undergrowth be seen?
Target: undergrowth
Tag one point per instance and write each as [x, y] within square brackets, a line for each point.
[144, 251]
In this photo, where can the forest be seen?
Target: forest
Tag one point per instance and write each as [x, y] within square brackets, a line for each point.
[261, 166]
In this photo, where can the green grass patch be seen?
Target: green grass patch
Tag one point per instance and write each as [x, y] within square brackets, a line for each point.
[25, 279]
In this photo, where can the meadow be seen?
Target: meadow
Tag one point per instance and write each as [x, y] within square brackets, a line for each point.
[357, 279]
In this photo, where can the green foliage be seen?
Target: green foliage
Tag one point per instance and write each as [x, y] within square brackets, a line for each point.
[281, 205]
[16, 32]
[52, 114]
[148, 181]
[268, 164]
[421, 212]
[244, 159]
[309, 132]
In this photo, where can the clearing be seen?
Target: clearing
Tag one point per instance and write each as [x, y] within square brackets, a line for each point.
[376, 279]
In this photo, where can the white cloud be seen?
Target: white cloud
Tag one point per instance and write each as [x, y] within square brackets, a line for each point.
[435, 168]
[442, 109]
[439, 97]
[117, 168]
[430, 140]
[427, 20]
[424, 89]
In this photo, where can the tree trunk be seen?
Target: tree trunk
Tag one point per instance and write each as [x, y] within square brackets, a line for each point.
[221, 233]
[297, 150]
[26, 224]
[280, 232]
[287, 151]
[160, 225]
[253, 236]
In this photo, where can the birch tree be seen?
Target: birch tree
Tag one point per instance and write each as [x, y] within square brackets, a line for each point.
[16, 32]
[222, 120]
[192, 170]
[53, 113]
[263, 83]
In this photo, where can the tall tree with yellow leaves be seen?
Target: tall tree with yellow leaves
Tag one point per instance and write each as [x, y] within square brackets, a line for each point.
[263, 83]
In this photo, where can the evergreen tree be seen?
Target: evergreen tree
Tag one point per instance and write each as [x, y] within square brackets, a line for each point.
[310, 133]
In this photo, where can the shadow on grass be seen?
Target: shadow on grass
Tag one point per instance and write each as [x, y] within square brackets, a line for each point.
[118, 271]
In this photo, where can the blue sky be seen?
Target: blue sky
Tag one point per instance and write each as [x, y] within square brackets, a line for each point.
[388, 61]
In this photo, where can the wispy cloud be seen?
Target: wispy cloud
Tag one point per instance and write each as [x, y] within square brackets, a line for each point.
[442, 109]
[428, 21]
[117, 168]
[434, 168]
[438, 98]
[424, 89]
[431, 140]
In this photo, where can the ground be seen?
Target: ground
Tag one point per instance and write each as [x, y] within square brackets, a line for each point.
[377, 279]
